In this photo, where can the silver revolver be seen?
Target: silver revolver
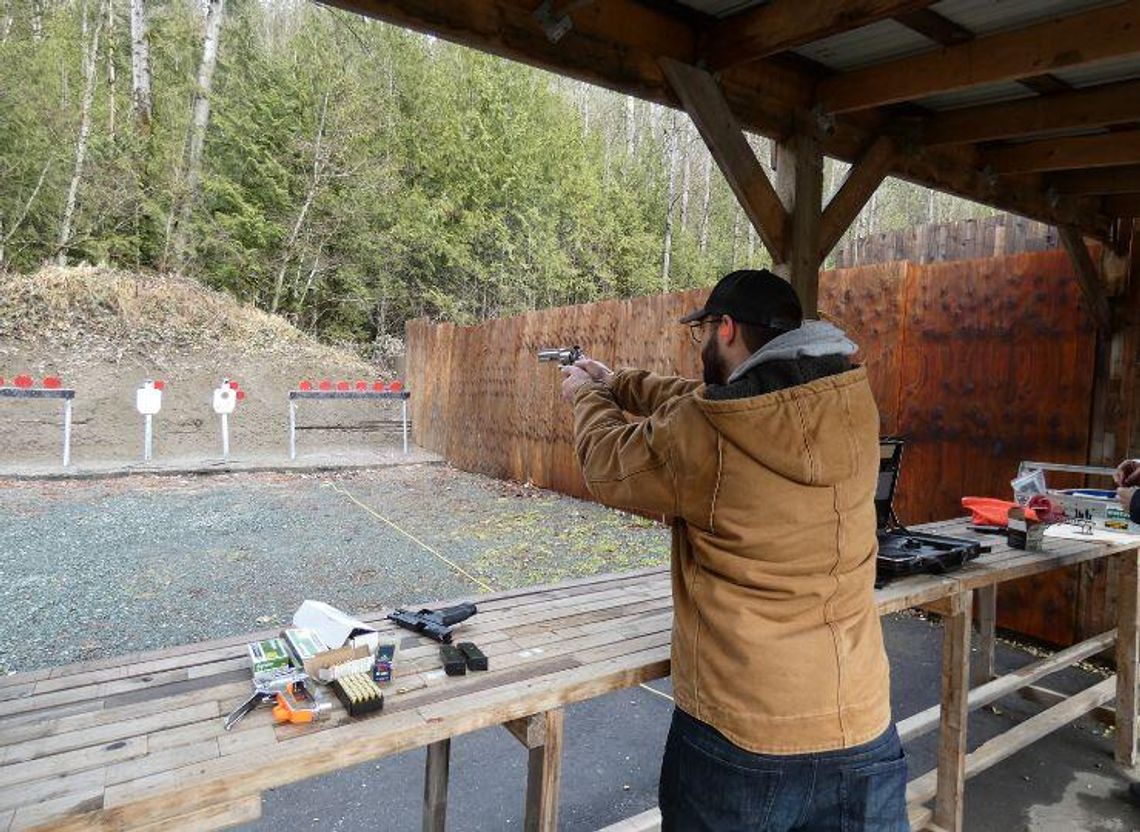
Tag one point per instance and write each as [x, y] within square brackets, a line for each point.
[563, 355]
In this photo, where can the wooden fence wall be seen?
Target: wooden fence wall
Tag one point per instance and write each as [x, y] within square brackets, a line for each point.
[978, 363]
[993, 236]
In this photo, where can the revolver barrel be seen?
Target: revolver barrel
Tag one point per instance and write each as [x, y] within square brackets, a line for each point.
[563, 355]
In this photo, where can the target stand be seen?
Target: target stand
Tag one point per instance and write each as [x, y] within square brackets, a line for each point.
[325, 391]
[23, 388]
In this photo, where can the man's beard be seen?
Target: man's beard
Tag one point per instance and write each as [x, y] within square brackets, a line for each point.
[715, 367]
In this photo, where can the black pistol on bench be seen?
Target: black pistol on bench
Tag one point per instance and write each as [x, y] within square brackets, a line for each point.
[436, 624]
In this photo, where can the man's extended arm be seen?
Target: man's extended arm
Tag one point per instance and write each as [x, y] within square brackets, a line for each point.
[625, 465]
[641, 392]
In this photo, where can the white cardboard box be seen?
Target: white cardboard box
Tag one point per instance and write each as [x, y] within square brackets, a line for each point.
[336, 628]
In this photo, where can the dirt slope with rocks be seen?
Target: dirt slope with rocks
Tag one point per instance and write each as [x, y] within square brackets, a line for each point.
[104, 332]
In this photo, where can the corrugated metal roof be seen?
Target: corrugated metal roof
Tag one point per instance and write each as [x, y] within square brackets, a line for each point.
[722, 8]
[985, 17]
[888, 40]
[975, 96]
[878, 42]
[1118, 69]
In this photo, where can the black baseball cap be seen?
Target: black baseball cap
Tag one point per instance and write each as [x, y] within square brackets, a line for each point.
[753, 296]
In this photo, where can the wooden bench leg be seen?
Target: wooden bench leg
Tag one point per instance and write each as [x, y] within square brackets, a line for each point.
[544, 776]
[1126, 657]
[983, 670]
[955, 714]
[435, 786]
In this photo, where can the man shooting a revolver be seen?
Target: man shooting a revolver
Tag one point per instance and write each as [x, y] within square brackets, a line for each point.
[767, 473]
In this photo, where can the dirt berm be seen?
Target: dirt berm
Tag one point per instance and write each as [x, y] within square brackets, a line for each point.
[104, 332]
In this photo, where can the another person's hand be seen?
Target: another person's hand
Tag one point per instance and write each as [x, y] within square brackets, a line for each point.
[595, 369]
[1127, 473]
[1125, 495]
[572, 379]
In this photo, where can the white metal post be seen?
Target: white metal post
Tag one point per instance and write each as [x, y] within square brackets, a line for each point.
[292, 429]
[148, 439]
[404, 420]
[66, 432]
[225, 437]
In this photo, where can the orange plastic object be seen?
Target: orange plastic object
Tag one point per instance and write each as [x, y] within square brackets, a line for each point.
[284, 712]
[990, 511]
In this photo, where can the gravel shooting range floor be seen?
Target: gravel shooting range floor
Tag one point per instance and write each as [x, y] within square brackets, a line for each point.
[98, 567]
[102, 567]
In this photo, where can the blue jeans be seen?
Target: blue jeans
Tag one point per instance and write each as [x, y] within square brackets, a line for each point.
[708, 783]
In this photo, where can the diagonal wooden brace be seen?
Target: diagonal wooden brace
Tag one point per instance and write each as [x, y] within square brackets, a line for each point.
[704, 101]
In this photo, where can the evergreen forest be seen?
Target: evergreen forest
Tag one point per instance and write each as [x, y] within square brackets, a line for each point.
[350, 175]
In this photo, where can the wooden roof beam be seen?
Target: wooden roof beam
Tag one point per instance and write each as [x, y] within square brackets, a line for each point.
[615, 44]
[1123, 205]
[1102, 150]
[705, 103]
[1094, 107]
[955, 170]
[930, 24]
[785, 24]
[864, 177]
[1104, 33]
[1118, 180]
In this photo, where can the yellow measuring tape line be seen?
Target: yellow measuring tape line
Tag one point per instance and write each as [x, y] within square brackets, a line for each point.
[410, 536]
[449, 562]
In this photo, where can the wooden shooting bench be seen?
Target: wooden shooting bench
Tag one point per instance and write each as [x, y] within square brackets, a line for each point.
[136, 742]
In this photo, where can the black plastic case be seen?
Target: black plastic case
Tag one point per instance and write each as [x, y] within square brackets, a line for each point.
[901, 551]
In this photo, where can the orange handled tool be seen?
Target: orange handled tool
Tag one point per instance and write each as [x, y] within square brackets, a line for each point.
[290, 708]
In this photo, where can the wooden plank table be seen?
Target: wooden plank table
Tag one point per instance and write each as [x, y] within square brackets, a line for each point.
[136, 742]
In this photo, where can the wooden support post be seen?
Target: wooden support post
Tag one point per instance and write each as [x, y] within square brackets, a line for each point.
[1089, 279]
[983, 670]
[955, 713]
[1116, 386]
[799, 182]
[1127, 615]
[544, 776]
[435, 786]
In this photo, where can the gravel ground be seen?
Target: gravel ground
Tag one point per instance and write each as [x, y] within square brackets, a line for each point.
[103, 567]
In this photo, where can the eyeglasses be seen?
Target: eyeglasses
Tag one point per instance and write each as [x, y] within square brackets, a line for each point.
[697, 328]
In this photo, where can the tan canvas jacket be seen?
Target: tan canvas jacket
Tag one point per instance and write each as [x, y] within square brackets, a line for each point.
[776, 639]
